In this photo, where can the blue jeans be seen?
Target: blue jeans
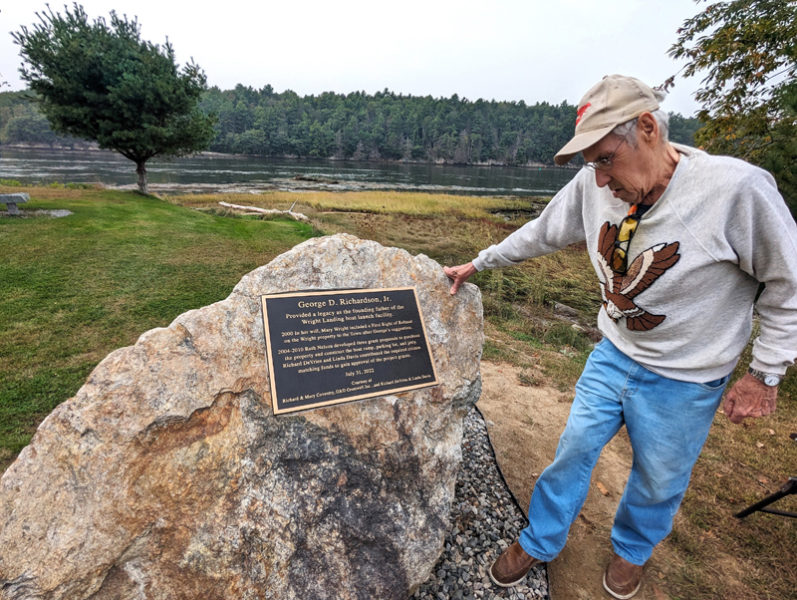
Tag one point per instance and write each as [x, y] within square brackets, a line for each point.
[667, 422]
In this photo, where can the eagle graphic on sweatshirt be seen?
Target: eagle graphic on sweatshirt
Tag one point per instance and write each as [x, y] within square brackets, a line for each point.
[619, 291]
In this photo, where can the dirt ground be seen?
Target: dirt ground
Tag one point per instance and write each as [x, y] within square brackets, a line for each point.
[524, 423]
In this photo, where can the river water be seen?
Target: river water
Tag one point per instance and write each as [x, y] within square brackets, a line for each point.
[233, 173]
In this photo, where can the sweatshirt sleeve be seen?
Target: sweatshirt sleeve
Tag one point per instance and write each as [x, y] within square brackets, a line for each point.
[561, 223]
[764, 237]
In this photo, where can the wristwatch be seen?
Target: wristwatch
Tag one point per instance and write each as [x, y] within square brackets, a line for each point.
[768, 379]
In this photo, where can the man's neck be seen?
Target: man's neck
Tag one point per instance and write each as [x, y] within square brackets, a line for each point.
[669, 162]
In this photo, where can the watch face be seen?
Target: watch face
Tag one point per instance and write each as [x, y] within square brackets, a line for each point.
[771, 380]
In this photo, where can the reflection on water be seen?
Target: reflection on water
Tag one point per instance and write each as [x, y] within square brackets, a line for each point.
[250, 173]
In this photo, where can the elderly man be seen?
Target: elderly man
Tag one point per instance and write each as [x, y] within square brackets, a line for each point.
[680, 241]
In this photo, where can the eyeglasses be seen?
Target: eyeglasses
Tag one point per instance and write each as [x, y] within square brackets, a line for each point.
[628, 227]
[604, 163]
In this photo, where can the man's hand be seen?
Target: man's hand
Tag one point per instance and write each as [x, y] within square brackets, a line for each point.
[749, 397]
[459, 274]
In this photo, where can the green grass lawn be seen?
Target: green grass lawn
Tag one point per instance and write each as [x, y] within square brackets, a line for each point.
[76, 288]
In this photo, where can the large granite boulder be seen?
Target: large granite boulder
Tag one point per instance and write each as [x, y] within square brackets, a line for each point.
[168, 475]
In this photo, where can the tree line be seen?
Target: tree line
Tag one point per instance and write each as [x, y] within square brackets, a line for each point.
[358, 126]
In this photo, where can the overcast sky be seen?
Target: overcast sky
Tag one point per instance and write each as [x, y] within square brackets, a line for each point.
[531, 50]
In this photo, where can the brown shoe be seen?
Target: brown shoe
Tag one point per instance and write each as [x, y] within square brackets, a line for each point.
[512, 566]
[622, 579]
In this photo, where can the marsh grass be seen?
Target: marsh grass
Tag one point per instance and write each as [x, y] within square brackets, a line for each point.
[380, 202]
[76, 288]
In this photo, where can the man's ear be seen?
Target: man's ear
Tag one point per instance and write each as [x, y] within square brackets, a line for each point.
[648, 128]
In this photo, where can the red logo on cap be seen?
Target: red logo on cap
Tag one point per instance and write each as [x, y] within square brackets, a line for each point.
[581, 112]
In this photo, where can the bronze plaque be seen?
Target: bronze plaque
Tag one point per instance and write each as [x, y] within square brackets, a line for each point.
[333, 346]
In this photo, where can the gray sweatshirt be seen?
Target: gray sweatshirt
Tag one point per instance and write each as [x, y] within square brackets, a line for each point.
[684, 309]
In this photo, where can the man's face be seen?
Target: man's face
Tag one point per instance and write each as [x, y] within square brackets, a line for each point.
[629, 176]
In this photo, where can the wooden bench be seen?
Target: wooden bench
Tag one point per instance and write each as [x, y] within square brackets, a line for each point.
[11, 201]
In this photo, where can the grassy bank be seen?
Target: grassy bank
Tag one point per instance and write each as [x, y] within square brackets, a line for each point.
[75, 288]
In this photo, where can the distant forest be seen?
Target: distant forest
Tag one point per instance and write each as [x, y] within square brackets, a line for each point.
[359, 126]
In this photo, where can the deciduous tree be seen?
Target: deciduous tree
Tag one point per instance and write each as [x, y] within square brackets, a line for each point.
[747, 52]
[100, 81]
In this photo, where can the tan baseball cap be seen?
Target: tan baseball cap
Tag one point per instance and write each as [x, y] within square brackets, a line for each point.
[614, 100]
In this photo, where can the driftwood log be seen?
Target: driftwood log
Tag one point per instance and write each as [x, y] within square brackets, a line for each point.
[267, 211]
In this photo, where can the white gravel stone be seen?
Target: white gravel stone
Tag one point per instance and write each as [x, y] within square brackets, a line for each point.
[485, 519]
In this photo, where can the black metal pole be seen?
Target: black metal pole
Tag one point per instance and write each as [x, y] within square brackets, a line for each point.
[789, 488]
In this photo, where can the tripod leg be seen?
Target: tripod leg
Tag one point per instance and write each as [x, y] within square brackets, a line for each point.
[789, 488]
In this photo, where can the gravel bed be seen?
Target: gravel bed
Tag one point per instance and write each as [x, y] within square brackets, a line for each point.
[485, 519]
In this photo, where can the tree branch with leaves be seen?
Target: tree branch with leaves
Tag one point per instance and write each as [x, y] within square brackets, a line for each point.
[746, 51]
